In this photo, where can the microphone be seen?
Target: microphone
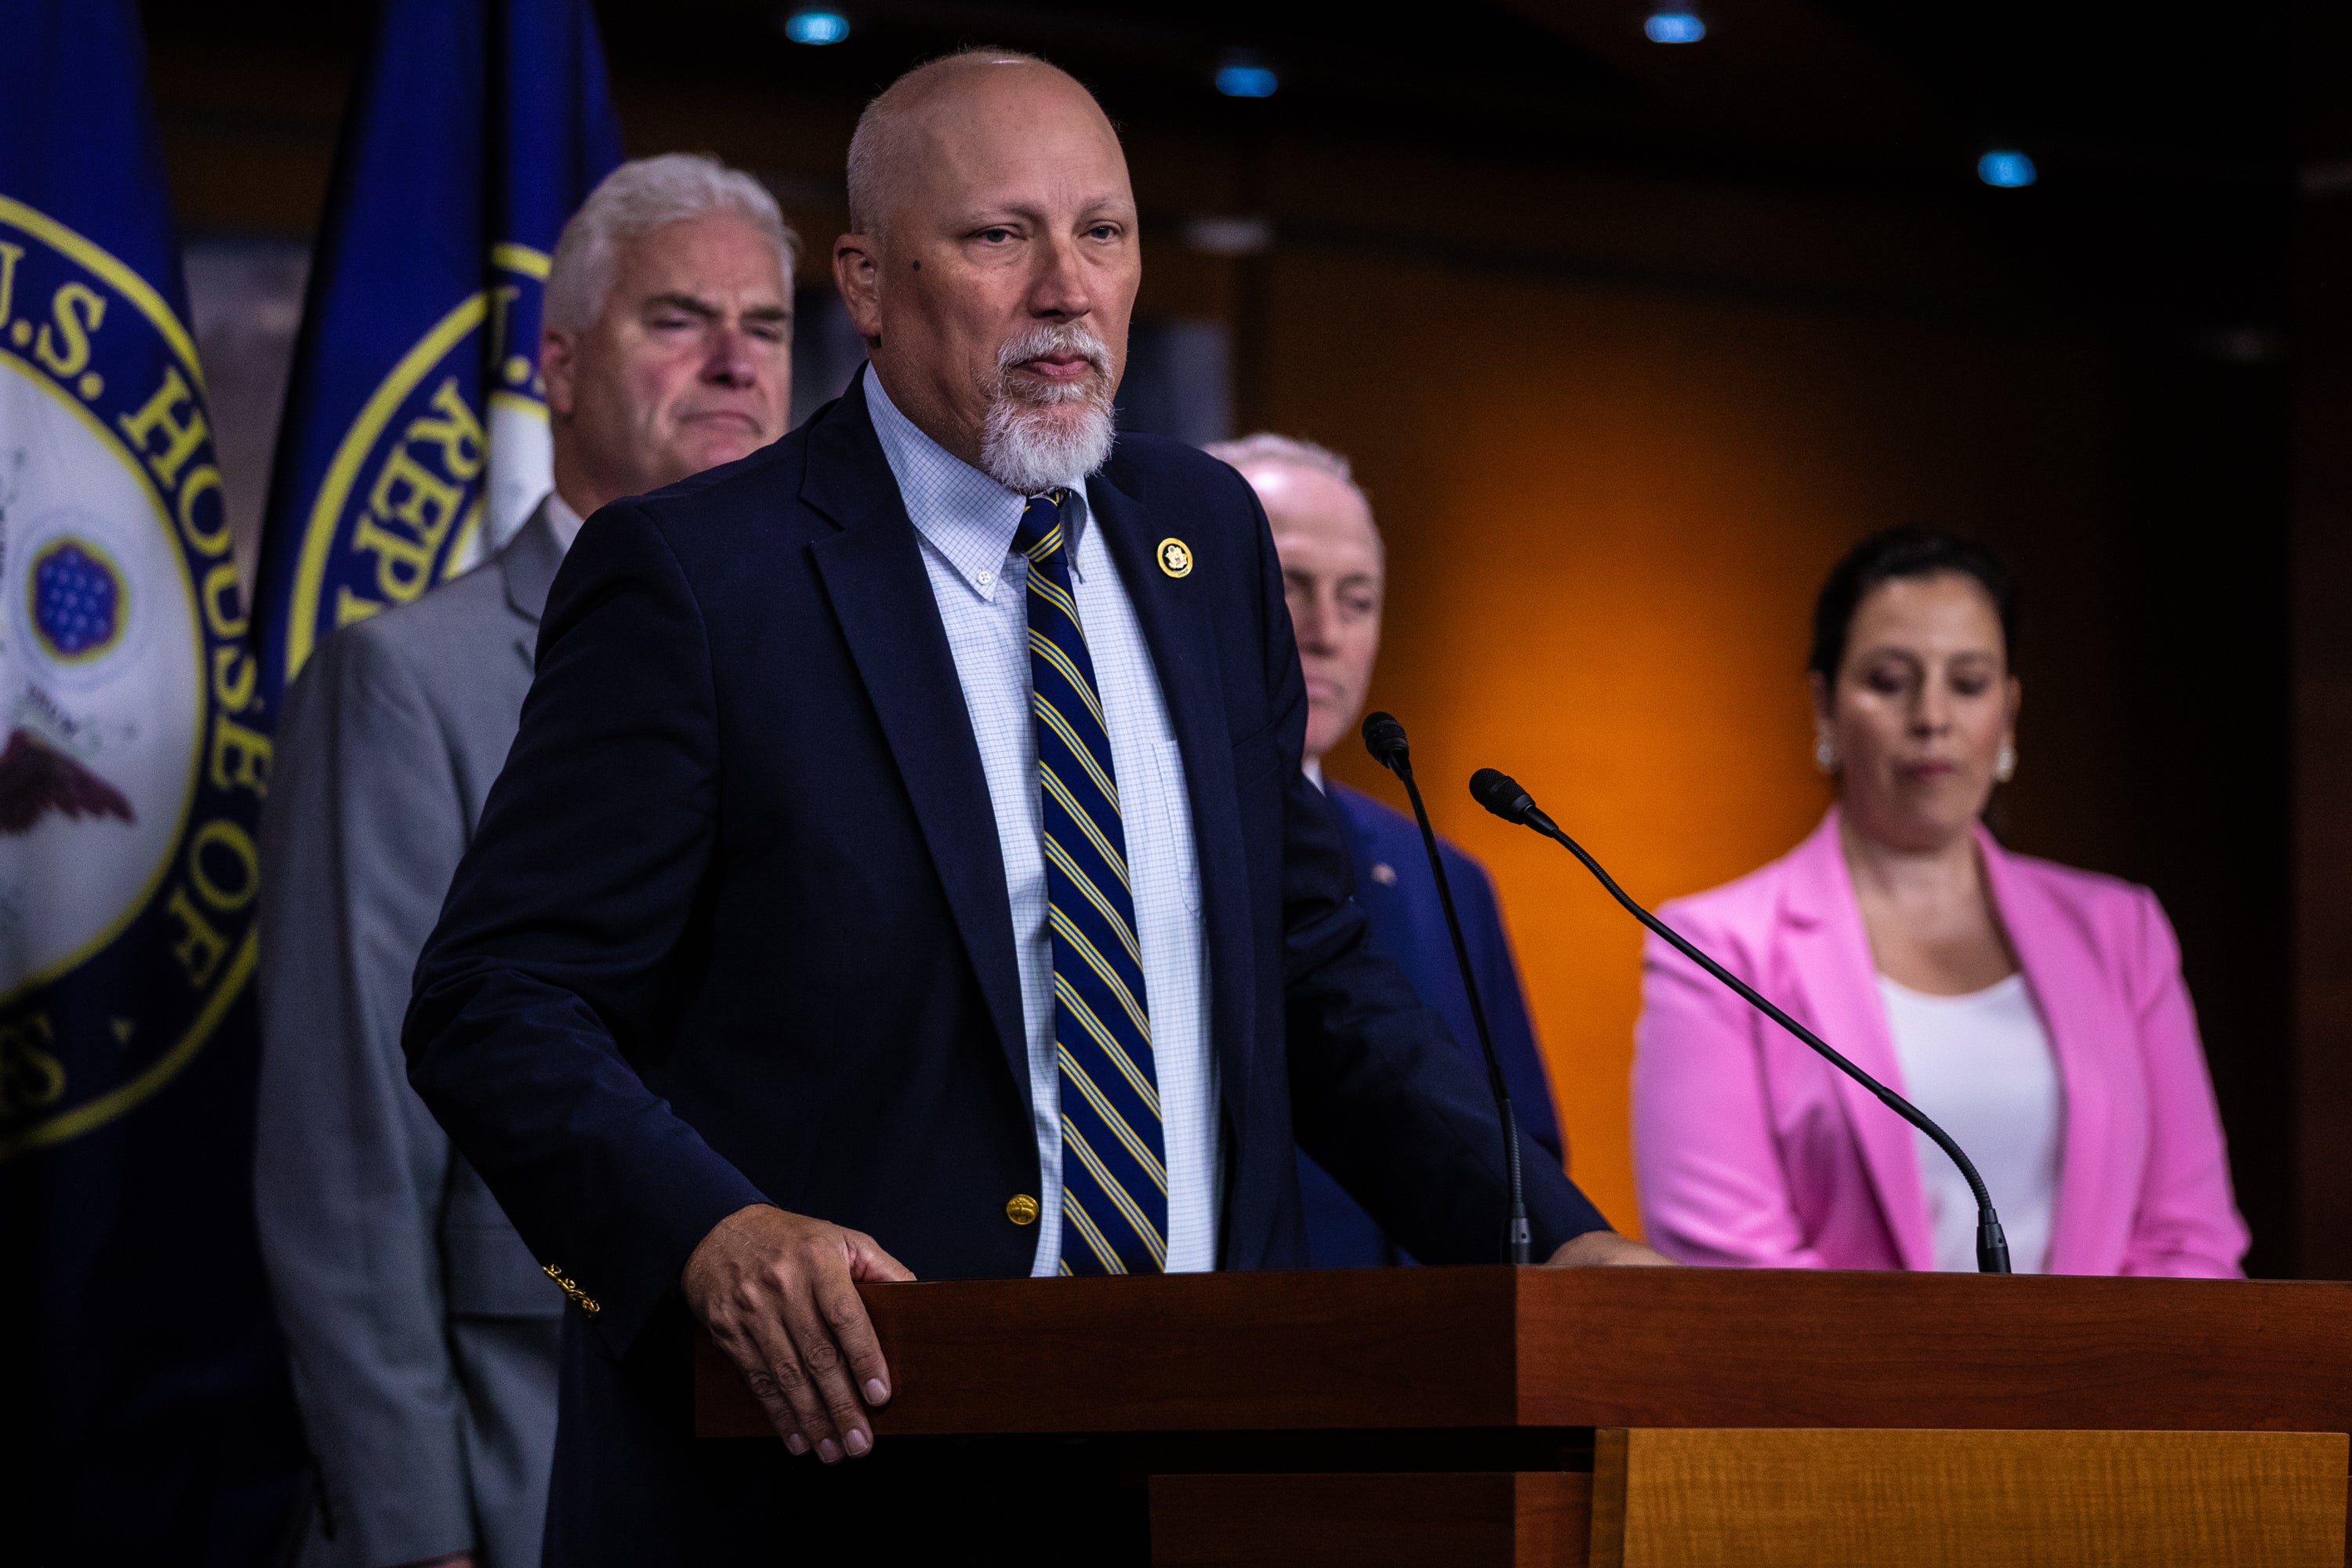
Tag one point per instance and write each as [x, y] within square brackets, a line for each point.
[1384, 738]
[1501, 794]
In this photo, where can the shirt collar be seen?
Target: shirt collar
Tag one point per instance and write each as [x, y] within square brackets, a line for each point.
[563, 519]
[965, 515]
[1312, 768]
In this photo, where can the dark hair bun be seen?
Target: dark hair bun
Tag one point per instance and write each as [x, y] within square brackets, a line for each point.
[1904, 552]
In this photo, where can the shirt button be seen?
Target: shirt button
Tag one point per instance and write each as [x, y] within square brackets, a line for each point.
[986, 578]
[1020, 1209]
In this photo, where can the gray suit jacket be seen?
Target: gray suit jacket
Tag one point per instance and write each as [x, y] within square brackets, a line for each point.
[424, 1335]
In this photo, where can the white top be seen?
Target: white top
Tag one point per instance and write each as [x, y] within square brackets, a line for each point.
[967, 520]
[1982, 1067]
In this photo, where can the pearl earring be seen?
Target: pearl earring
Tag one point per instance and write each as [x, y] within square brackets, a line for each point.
[1825, 755]
[2004, 767]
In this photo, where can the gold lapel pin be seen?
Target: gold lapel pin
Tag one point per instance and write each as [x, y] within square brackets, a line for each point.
[1175, 557]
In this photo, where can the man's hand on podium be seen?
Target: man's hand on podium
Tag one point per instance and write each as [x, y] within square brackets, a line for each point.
[778, 1293]
[1605, 1249]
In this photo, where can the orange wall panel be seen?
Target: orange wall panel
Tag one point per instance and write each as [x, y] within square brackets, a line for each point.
[1607, 515]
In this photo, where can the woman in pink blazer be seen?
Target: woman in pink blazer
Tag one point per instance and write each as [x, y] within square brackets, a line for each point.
[2036, 1011]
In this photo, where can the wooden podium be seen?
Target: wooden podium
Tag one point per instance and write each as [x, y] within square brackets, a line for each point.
[1681, 1416]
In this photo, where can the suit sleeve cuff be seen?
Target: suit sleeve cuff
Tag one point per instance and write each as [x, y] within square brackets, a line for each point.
[1557, 1210]
[699, 1198]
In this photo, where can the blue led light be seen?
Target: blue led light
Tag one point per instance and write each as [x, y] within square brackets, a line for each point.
[2007, 168]
[1675, 27]
[1246, 81]
[817, 26]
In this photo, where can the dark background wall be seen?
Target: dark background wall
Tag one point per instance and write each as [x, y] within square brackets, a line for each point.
[2320, 557]
[1629, 343]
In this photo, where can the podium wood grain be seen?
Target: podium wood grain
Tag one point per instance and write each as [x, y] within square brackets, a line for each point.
[1694, 1497]
[1459, 1348]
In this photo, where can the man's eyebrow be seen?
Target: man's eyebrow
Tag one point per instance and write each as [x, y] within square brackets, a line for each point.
[996, 215]
[710, 312]
[1015, 209]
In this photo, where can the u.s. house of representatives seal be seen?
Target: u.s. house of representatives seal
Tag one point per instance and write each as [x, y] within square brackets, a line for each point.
[443, 464]
[133, 756]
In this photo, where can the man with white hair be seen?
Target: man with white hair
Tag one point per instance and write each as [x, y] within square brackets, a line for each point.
[1335, 580]
[903, 866]
[424, 1335]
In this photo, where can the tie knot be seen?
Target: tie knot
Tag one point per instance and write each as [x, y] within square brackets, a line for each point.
[1039, 536]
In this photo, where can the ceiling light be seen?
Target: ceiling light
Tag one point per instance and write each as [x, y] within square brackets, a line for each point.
[1675, 27]
[1216, 235]
[2007, 168]
[1246, 81]
[817, 26]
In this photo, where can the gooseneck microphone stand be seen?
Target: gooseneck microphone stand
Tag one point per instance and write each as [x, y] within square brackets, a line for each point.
[1499, 793]
[1384, 738]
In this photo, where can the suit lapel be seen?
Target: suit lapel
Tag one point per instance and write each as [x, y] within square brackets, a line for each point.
[1830, 966]
[1174, 614]
[527, 564]
[2067, 988]
[874, 576]
[1384, 902]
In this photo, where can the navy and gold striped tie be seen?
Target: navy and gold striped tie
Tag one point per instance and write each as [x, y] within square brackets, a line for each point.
[1114, 1169]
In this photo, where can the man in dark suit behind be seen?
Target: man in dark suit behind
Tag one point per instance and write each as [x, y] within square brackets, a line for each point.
[903, 867]
[1335, 579]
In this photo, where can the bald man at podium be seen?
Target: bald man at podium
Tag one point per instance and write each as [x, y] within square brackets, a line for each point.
[904, 867]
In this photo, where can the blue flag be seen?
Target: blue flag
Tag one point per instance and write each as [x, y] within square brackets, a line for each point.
[415, 431]
[151, 1418]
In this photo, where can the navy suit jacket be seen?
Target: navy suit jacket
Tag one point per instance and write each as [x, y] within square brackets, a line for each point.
[734, 930]
[1400, 900]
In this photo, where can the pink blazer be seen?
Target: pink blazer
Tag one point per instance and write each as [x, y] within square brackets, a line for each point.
[1750, 1150]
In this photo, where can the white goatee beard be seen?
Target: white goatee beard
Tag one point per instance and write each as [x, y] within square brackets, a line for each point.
[1031, 441]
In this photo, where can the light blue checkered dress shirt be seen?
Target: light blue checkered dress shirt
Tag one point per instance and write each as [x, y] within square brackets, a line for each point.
[966, 520]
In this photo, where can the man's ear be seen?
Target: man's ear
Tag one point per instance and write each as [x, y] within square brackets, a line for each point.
[557, 352]
[857, 273]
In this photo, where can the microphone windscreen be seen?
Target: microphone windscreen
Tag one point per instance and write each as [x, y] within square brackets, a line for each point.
[1500, 793]
[1384, 738]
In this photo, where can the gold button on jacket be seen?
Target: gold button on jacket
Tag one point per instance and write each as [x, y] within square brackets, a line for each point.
[1020, 1209]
